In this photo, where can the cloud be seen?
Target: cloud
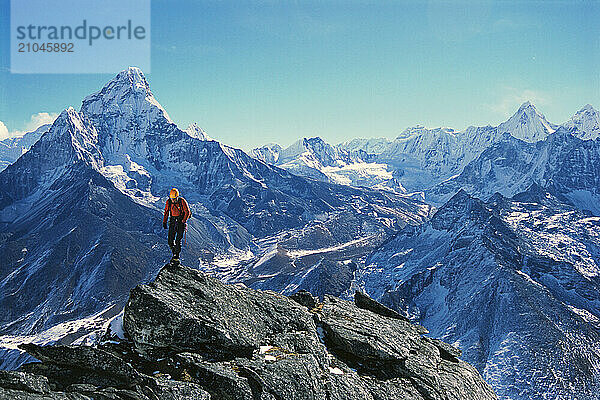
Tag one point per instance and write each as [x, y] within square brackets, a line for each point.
[3, 131]
[39, 119]
[35, 121]
[510, 98]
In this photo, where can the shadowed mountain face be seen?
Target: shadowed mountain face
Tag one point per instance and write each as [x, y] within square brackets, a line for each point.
[12, 148]
[513, 282]
[569, 165]
[187, 335]
[84, 206]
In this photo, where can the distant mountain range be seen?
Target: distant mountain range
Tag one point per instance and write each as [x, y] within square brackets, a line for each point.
[13, 148]
[419, 159]
[488, 237]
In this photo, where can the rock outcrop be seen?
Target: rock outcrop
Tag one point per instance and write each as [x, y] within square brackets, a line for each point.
[189, 336]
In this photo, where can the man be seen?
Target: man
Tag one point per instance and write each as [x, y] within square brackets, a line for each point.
[179, 211]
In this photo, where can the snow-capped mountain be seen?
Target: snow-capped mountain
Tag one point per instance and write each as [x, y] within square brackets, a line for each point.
[369, 146]
[85, 202]
[497, 277]
[586, 122]
[196, 132]
[421, 158]
[444, 152]
[314, 158]
[13, 148]
[513, 282]
[563, 161]
[67, 236]
[136, 134]
[527, 124]
[268, 153]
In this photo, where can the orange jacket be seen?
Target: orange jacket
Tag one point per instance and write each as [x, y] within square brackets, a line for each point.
[176, 209]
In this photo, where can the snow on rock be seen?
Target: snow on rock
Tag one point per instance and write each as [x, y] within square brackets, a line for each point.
[527, 264]
[419, 158]
[528, 124]
[316, 159]
[13, 148]
[196, 132]
[586, 123]
[562, 162]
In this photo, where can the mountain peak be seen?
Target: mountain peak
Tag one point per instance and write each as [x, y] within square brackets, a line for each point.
[422, 130]
[588, 107]
[135, 77]
[528, 124]
[585, 122]
[526, 105]
[68, 117]
[461, 207]
[72, 131]
[127, 93]
[314, 141]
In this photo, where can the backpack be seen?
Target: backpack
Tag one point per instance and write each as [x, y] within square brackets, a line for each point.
[177, 204]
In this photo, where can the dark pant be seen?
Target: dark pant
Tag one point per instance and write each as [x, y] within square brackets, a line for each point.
[176, 228]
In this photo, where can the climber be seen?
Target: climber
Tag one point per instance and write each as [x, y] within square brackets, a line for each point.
[178, 208]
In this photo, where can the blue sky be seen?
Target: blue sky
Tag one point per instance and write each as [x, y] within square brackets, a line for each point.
[255, 72]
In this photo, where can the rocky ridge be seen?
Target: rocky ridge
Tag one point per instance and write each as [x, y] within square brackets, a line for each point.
[189, 336]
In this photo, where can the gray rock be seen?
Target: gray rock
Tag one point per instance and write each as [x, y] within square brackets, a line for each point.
[18, 385]
[62, 378]
[100, 374]
[220, 379]
[388, 348]
[447, 351]
[365, 302]
[187, 310]
[395, 388]
[359, 335]
[25, 382]
[85, 357]
[173, 390]
[305, 298]
[290, 376]
[14, 394]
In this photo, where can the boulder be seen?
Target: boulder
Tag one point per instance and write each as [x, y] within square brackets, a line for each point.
[389, 348]
[220, 379]
[305, 298]
[25, 382]
[85, 358]
[361, 336]
[366, 303]
[187, 310]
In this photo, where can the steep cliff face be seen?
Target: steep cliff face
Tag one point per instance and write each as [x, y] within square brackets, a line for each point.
[189, 336]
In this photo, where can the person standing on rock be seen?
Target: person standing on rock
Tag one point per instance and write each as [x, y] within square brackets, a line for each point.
[179, 211]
